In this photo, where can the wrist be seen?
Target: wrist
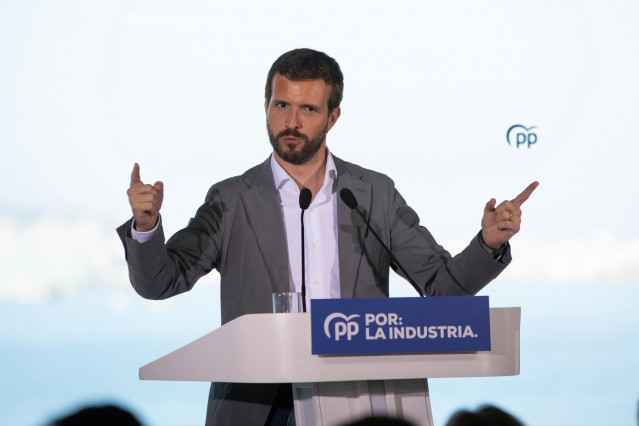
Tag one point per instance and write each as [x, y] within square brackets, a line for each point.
[495, 253]
[144, 227]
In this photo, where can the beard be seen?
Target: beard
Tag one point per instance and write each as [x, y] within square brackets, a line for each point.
[296, 154]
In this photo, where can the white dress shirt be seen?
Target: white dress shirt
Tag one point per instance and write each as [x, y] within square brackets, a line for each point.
[320, 239]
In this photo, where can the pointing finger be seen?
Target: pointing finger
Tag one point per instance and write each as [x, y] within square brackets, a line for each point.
[135, 174]
[521, 198]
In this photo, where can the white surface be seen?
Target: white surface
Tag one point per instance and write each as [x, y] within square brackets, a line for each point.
[259, 349]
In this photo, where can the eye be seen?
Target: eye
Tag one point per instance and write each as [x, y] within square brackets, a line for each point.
[310, 109]
[280, 104]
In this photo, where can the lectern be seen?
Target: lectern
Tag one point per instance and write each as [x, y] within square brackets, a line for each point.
[333, 390]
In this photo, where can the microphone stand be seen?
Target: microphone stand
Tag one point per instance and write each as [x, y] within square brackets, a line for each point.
[303, 266]
[305, 201]
[349, 199]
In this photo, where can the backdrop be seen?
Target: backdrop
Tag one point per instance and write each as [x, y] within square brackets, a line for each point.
[458, 102]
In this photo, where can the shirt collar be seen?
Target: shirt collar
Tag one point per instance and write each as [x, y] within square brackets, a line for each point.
[280, 177]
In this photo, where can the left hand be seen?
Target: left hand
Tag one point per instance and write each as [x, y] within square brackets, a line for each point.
[499, 224]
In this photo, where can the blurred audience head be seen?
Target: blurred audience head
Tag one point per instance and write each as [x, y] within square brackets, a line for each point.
[487, 415]
[99, 415]
[379, 421]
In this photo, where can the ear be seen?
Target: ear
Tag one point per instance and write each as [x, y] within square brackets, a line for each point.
[265, 106]
[333, 116]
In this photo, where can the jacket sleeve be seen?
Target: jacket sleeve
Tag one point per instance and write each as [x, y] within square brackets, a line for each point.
[429, 264]
[159, 270]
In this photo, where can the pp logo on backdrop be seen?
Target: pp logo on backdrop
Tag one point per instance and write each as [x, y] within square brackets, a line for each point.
[342, 326]
[519, 135]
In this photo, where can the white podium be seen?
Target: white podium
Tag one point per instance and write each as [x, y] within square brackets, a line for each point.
[333, 390]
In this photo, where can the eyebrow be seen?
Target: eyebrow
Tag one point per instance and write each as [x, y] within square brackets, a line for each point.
[314, 106]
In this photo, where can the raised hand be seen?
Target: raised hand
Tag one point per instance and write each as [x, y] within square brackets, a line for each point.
[145, 201]
[500, 223]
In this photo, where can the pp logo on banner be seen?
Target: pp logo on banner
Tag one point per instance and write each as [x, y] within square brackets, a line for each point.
[400, 325]
[519, 135]
[343, 326]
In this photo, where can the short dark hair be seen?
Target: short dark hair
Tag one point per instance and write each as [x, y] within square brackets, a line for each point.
[308, 64]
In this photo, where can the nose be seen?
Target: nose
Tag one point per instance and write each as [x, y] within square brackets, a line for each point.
[292, 120]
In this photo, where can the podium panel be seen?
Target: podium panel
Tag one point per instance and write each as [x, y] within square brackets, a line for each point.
[332, 390]
[336, 403]
[276, 348]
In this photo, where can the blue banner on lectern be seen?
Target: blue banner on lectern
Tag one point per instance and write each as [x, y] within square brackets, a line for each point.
[400, 325]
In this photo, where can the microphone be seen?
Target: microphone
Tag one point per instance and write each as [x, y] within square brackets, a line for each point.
[305, 198]
[349, 199]
[305, 201]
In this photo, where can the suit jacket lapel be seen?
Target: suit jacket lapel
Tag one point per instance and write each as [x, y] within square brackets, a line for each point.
[262, 206]
[351, 227]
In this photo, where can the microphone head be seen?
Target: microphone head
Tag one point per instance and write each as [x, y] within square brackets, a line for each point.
[348, 198]
[305, 198]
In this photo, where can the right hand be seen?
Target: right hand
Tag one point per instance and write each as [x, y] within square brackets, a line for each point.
[499, 224]
[145, 201]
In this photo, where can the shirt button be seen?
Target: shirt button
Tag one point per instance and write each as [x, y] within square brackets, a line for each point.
[316, 282]
[314, 245]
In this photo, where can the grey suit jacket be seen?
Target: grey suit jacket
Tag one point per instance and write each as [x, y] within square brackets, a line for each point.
[239, 231]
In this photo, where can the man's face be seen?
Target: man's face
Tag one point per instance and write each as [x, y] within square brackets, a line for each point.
[297, 118]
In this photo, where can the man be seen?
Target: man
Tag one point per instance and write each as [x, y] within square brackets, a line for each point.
[249, 230]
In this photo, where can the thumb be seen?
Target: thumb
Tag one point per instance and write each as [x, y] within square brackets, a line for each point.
[490, 205]
[135, 174]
